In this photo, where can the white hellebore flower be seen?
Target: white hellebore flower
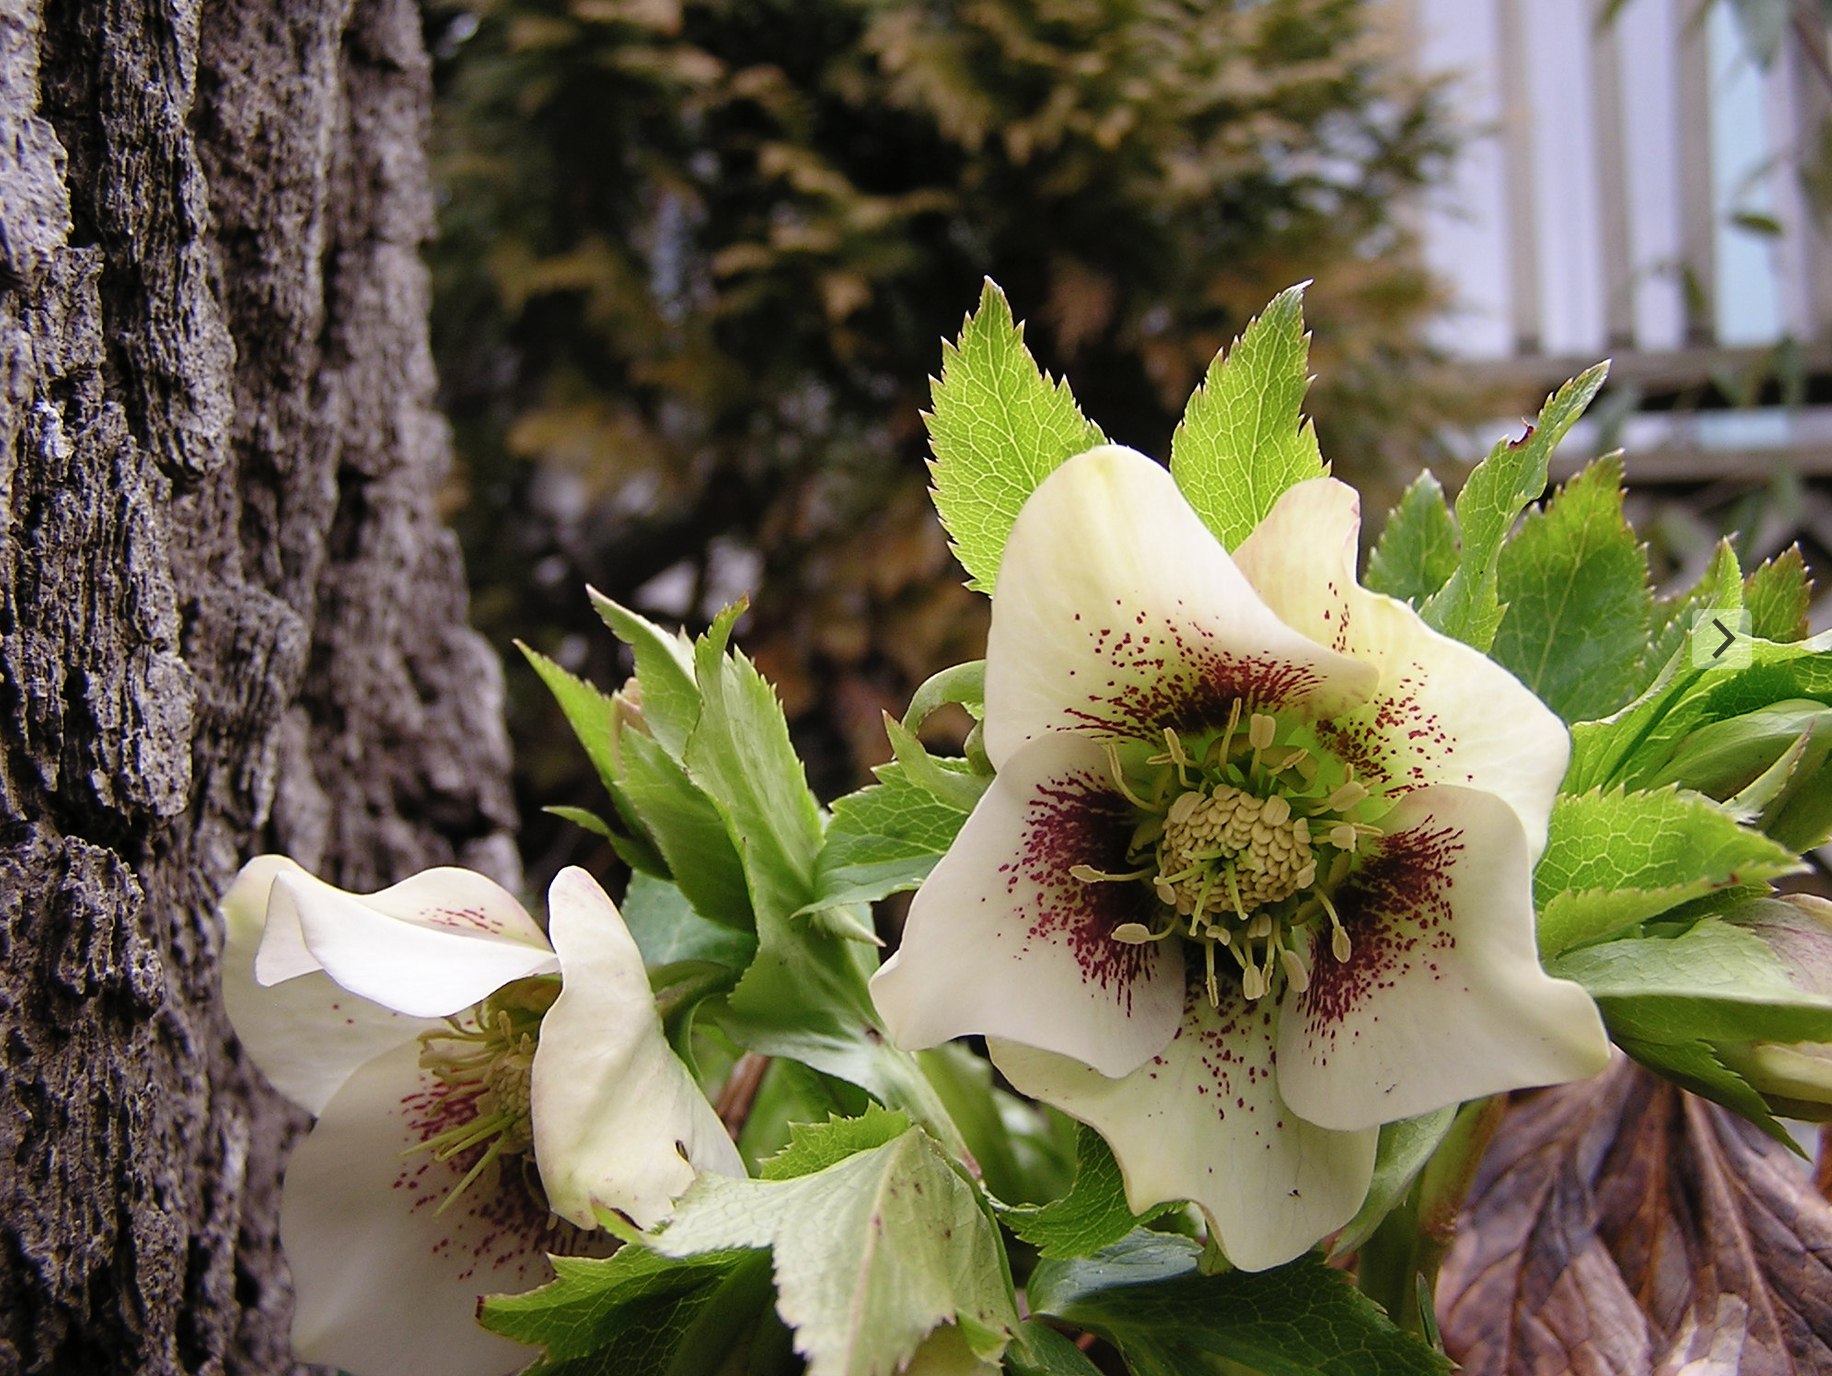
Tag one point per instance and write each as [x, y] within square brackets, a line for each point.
[1254, 877]
[467, 1077]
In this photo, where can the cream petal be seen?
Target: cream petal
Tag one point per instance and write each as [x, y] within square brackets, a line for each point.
[306, 1035]
[1203, 1121]
[1117, 612]
[429, 946]
[618, 1120]
[1442, 713]
[1001, 940]
[1442, 998]
[385, 1284]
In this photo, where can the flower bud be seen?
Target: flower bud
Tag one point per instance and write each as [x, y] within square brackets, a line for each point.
[1795, 1079]
[1768, 766]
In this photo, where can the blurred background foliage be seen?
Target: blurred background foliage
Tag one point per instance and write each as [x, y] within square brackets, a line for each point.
[696, 259]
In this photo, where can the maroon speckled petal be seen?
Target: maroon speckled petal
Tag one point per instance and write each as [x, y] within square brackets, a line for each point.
[1442, 998]
[1003, 941]
[1204, 1120]
[1118, 614]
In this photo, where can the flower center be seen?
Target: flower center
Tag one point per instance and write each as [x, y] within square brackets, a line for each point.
[1243, 839]
[484, 1062]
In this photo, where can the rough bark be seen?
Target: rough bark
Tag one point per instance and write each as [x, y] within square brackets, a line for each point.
[229, 621]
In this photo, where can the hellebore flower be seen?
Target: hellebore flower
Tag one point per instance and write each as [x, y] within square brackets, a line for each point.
[479, 1093]
[1254, 876]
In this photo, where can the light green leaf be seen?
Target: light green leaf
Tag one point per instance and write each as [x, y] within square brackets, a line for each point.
[815, 1146]
[1145, 1296]
[959, 683]
[953, 783]
[1720, 588]
[1092, 1215]
[1777, 596]
[793, 1093]
[591, 713]
[688, 830]
[739, 753]
[1242, 441]
[999, 427]
[1039, 1350]
[664, 673]
[1636, 744]
[1417, 552]
[667, 930]
[583, 817]
[1617, 858]
[1575, 584]
[870, 1254]
[883, 839]
[1405, 1148]
[1514, 473]
[1714, 981]
[639, 1312]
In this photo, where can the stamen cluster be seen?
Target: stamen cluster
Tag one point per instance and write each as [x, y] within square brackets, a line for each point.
[1243, 841]
[484, 1060]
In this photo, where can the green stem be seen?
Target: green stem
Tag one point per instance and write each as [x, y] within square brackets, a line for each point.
[1398, 1265]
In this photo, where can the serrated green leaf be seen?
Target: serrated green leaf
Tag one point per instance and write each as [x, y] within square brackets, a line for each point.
[583, 817]
[667, 930]
[637, 1312]
[1092, 1215]
[870, 1254]
[815, 1146]
[1468, 606]
[1720, 587]
[1617, 858]
[792, 1093]
[1634, 746]
[1145, 1296]
[740, 754]
[1417, 552]
[1405, 1147]
[883, 839]
[688, 830]
[1777, 596]
[1242, 441]
[664, 673]
[999, 427]
[590, 712]
[1575, 583]
[1713, 982]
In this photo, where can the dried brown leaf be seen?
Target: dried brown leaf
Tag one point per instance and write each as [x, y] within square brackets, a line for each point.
[1623, 1227]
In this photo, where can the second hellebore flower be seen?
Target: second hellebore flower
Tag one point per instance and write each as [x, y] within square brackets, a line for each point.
[1254, 877]
[480, 1093]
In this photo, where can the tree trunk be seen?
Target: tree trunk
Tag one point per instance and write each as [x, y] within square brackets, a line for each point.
[229, 621]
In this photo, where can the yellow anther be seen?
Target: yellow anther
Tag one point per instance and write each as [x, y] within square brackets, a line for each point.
[1260, 731]
[1252, 984]
[1275, 810]
[1184, 808]
[1339, 945]
[1343, 836]
[1346, 797]
[1297, 973]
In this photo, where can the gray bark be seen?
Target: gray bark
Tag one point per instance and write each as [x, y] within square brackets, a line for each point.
[229, 621]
